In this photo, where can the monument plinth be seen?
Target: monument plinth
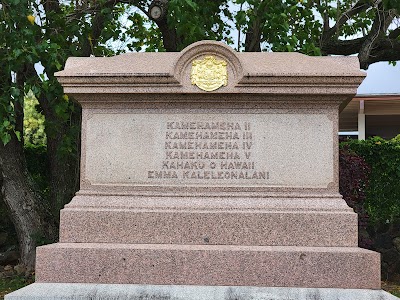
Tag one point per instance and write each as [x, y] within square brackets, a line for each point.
[209, 174]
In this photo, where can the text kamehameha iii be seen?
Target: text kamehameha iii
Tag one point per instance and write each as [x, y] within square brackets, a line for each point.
[208, 150]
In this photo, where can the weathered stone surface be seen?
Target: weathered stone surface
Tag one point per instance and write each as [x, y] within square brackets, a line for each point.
[214, 149]
[62, 291]
[225, 227]
[329, 267]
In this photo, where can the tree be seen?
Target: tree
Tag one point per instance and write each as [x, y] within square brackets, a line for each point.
[46, 32]
[367, 28]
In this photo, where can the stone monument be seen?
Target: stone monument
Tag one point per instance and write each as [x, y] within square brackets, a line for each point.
[208, 174]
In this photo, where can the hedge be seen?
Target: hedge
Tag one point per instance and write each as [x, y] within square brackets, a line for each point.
[382, 193]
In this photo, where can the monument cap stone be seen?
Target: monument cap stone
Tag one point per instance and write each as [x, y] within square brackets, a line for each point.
[169, 72]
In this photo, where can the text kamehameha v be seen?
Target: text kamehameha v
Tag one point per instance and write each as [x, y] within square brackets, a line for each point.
[208, 151]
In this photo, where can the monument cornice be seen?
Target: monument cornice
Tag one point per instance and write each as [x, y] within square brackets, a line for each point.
[253, 73]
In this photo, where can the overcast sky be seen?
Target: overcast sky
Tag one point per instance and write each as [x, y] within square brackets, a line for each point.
[382, 78]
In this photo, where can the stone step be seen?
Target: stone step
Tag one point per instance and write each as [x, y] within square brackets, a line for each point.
[271, 228]
[312, 267]
[79, 291]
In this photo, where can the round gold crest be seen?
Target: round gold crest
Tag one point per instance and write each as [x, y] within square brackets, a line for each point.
[209, 73]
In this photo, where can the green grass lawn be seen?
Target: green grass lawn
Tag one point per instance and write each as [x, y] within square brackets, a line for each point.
[392, 287]
[396, 293]
[7, 285]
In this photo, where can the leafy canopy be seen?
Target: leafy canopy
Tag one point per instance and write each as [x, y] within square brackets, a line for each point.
[48, 32]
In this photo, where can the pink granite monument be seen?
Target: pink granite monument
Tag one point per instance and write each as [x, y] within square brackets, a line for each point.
[208, 174]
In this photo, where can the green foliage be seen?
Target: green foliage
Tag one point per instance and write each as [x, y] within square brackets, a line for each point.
[199, 20]
[290, 25]
[353, 179]
[33, 122]
[298, 25]
[138, 33]
[29, 35]
[383, 191]
[13, 54]
[392, 4]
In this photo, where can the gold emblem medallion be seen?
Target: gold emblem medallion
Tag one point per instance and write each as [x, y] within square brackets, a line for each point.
[209, 73]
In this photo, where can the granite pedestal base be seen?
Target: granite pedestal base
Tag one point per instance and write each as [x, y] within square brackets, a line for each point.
[72, 291]
[209, 244]
[322, 267]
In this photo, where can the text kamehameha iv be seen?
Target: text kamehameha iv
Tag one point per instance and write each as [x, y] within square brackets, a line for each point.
[208, 151]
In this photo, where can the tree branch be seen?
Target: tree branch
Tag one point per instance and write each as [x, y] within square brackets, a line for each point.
[395, 33]
[375, 46]
[326, 23]
[19, 106]
[51, 6]
[386, 50]
[88, 10]
[169, 36]
[379, 27]
[360, 6]
[138, 4]
[342, 47]
[97, 27]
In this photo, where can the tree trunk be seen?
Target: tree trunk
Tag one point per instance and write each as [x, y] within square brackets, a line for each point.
[253, 39]
[64, 163]
[33, 221]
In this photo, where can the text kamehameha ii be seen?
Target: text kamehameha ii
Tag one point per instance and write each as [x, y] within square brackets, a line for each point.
[207, 151]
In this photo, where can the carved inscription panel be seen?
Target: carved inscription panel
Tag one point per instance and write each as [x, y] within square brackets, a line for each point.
[197, 149]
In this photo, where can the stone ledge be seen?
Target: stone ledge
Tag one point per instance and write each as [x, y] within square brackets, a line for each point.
[71, 291]
[127, 226]
[218, 265]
